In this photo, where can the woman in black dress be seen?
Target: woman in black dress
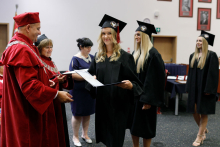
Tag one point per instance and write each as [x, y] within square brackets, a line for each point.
[202, 84]
[151, 71]
[113, 103]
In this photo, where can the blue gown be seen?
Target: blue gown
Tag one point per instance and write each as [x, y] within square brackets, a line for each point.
[83, 104]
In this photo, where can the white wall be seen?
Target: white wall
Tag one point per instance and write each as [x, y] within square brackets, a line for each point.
[65, 21]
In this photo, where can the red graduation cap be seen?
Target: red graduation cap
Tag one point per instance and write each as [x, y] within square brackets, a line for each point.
[27, 18]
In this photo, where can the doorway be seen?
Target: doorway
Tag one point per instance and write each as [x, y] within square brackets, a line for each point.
[4, 36]
[166, 46]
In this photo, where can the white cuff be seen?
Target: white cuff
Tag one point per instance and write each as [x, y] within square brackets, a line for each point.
[56, 95]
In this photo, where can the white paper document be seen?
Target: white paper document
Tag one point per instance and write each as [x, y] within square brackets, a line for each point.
[89, 78]
[174, 77]
[71, 72]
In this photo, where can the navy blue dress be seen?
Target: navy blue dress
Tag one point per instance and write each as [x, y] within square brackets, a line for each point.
[83, 104]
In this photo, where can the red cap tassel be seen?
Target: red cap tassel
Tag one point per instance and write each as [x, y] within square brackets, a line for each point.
[118, 35]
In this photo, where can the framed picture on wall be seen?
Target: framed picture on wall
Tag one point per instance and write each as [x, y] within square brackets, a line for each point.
[205, 1]
[185, 8]
[204, 19]
[218, 9]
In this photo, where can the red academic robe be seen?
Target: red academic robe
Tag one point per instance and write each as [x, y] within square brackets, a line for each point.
[1, 87]
[28, 112]
[52, 70]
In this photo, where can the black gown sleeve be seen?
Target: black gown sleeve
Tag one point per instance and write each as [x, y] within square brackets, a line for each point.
[189, 75]
[212, 76]
[92, 71]
[132, 73]
[154, 82]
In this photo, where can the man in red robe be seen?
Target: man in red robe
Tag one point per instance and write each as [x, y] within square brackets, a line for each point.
[1, 84]
[28, 116]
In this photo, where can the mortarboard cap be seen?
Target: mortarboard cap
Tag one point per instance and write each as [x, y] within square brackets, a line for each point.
[111, 22]
[146, 28]
[39, 39]
[27, 18]
[209, 37]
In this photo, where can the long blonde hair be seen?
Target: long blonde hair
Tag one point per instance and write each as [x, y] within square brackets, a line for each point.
[202, 60]
[141, 50]
[102, 50]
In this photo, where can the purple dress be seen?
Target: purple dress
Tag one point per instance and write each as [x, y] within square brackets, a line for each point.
[83, 104]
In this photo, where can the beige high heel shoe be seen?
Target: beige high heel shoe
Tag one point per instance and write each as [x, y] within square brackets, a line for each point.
[206, 131]
[198, 143]
[204, 134]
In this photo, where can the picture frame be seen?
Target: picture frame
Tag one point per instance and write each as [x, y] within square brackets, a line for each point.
[204, 19]
[218, 10]
[185, 8]
[205, 1]
[165, 0]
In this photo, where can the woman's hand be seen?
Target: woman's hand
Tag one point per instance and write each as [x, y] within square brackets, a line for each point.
[125, 85]
[61, 78]
[146, 106]
[52, 83]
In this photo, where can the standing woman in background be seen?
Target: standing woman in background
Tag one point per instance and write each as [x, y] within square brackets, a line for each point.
[202, 83]
[151, 71]
[83, 105]
[113, 103]
[45, 48]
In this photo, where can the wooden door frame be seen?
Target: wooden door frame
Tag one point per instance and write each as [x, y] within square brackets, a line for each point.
[7, 24]
[174, 44]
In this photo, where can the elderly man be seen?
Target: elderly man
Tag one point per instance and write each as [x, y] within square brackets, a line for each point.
[204, 19]
[28, 116]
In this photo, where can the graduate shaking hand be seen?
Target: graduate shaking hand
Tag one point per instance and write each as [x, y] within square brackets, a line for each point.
[125, 85]
[64, 97]
[146, 106]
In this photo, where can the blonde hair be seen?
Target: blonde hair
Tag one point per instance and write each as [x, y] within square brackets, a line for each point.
[43, 44]
[141, 50]
[102, 50]
[202, 60]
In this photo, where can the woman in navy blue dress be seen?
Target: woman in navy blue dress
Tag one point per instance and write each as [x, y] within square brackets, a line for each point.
[83, 105]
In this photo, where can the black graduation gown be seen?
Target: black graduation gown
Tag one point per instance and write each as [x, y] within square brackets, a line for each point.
[153, 78]
[113, 104]
[201, 81]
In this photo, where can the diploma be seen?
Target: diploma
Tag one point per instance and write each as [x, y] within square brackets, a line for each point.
[91, 80]
[71, 72]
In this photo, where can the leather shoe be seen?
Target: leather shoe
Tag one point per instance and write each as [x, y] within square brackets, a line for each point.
[77, 144]
[87, 140]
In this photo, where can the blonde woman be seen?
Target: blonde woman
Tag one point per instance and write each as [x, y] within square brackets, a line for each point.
[150, 69]
[113, 103]
[202, 84]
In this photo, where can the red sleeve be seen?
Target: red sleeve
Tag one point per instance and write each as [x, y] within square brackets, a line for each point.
[37, 94]
[56, 80]
[1, 86]
[20, 55]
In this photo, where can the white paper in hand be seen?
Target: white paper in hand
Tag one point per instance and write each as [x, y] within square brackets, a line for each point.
[89, 78]
[71, 72]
